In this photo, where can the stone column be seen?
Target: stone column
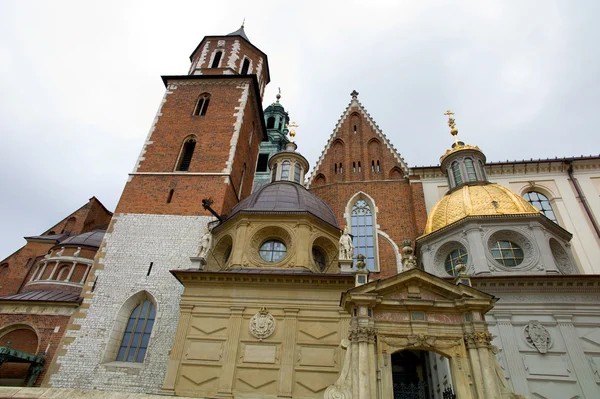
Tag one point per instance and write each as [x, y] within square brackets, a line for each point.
[460, 382]
[37, 269]
[71, 271]
[386, 385]
[363, 368]
[177, 349]
[286, 372]
[51, 276]
[490, 386]
[581, 365]
[372, 364]
[42, 271]
[230, 355]
[514, 361]
[474, 360]
[85, 275]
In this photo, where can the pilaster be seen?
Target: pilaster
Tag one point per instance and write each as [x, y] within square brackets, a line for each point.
[231, 349]
[177, 349]
[514, 361]
[286, 373]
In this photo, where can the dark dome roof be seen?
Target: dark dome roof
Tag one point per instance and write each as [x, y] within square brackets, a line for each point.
[285, 196]
[90, 239]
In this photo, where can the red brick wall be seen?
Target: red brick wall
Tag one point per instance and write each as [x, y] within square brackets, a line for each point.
[18, 267]
[23, 339]
[149, 193]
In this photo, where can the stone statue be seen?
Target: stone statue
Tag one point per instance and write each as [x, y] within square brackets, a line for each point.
[409, 261]
[346, 247]
[205, 243]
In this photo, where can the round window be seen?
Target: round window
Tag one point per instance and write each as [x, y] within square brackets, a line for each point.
[273, 251]
[319, 259]
[455, 258]
[507, 253]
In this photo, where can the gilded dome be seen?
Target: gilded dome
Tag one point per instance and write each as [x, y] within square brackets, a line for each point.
[477, 200]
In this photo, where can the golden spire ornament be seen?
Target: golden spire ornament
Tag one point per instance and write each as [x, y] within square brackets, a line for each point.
[292, 126]
[452, 125]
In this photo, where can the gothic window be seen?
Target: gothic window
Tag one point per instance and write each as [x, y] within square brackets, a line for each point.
[453, 259]
[542, 203]
[273, 251]
[271, 123]
[186, 155]
[263, 163]
[471, 175]
[202, 105]
[274, 175]
[507, 253]
[378, 167]
[372, 166]
[137, 333]
[297, 170]
[216, 59]
[456, 173]
[354, 129]
[245, 66]
[363, 231]
[285, 170]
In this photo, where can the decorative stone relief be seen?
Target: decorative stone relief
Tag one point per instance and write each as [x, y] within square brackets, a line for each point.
[478, 338]
[362, 334]
[561, 258]
[537, 336]
[262, 324]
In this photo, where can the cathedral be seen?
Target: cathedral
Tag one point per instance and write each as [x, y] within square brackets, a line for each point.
[232, 268]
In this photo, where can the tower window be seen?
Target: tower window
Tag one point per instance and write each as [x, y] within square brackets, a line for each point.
[216, 59]
[354, 129]
[378, 167]
[137, 334]
[482, 170]
[271, 123]
[471, 175]
[186, 155]
[245, 66]
[542, 203]
[285, 170]
[340, 168]
[353, 167]
[201, 105]
[297, 170]
[263, 163]
[372, 166]
[359, 168]
[456, 173]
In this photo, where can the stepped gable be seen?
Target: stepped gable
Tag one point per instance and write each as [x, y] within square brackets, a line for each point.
[356, 106]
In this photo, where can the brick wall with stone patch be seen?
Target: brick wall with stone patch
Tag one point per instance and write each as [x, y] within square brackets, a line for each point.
[121, 268]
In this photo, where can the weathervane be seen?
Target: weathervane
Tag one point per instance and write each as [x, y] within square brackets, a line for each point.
[292, 127]
[452, 125]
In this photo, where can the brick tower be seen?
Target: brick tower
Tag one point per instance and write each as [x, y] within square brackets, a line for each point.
[203, 143]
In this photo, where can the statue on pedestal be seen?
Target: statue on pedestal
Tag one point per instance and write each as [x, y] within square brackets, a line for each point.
[346, 247]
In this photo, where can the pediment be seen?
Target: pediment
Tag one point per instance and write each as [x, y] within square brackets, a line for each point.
[416, 285]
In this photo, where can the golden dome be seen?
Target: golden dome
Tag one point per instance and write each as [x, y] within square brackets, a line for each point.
[481, 200]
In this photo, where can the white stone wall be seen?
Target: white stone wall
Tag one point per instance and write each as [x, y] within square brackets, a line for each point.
[136, 240]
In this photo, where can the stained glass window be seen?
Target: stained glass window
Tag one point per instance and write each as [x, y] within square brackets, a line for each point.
[508, 253]
[453, 259]
[363, 232]
[542, 203]
[137, 333]
[456, 173]
[471, 175]
[273, 251]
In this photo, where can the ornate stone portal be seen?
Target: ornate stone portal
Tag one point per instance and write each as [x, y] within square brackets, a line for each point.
[417, 311]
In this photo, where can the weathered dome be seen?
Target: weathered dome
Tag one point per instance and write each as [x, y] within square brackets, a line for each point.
[476, 200]
[90, 239]
[285, 197]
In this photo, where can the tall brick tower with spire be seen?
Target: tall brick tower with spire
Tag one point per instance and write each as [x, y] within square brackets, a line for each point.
[203, 144]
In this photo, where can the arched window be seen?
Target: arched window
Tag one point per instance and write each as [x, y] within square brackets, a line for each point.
[471, 175]
[285, 170]
[271, 123]
[202, 105]
[363, 232]
[185, 158]
[456, 173]
[542, 203]
[137, 333]
[245, 66]
[216, 59]
[297, 170]
[274, 175]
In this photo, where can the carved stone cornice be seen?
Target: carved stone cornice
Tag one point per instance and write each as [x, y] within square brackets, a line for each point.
[478, 339]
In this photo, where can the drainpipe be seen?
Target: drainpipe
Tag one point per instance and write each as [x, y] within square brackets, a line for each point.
[582, 198]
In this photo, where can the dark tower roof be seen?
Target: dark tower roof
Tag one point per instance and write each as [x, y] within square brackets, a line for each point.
[285, 197]
[240, 32]
[90, 239]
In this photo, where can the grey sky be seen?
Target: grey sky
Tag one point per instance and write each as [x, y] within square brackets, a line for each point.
[80, 83]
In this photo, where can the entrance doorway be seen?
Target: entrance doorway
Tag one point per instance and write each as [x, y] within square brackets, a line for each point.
[418, 374]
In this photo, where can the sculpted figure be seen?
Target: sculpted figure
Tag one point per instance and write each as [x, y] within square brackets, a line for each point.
[346, 247]
[205, 243]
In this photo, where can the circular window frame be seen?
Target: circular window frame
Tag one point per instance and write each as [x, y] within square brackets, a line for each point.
[446, 249]
[276, 241]
[454, 268]
[270, 233]
[530, 251]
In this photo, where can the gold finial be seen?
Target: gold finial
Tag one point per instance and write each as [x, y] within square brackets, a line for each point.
[452, 125]
[292, 127]
[278, 96]
[244, 22]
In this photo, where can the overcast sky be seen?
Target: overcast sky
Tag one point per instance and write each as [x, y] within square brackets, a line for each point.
[80, 83]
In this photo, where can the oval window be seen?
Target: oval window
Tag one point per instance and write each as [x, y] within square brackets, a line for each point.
[273, 251]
